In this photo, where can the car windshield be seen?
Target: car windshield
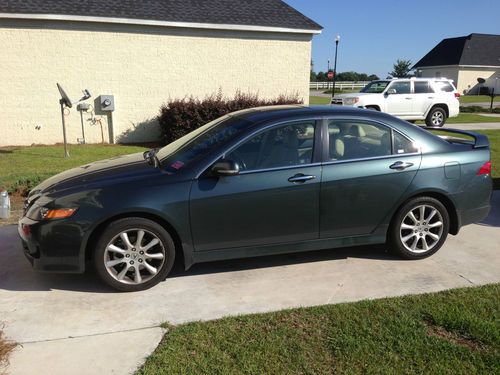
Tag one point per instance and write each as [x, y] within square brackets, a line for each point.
[193, 146]
[375, 87]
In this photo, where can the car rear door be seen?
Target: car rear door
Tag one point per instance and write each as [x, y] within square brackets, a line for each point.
[423, 97]
[274, 198]
[368, 167]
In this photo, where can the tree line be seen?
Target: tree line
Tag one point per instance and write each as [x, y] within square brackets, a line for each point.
[401, 69]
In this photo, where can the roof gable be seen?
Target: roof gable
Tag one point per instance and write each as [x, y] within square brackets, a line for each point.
[263, 13]
[474, 49]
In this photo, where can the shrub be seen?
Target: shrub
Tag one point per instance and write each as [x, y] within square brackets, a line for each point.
[478, 109]
[181, 116]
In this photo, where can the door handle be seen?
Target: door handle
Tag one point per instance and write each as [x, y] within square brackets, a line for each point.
[408, 98]
[301, 178]
[400, 165]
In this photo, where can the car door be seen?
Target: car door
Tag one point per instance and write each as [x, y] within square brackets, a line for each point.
[399, 101]
[423, 97]
[369, 166]
[274, 198]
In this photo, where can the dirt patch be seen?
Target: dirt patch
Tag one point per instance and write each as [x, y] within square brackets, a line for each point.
[435, 330]
[6, 347]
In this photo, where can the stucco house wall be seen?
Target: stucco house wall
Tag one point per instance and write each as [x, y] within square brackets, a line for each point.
[142, 66]
[445, 72]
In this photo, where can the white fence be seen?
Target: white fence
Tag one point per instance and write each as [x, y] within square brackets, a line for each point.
[338, 85]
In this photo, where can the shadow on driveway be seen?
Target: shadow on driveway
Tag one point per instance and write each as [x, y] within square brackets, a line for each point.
[17, 275]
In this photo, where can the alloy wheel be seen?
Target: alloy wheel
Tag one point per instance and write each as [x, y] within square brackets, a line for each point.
[437, 118]
[134, 256]
[421, 229]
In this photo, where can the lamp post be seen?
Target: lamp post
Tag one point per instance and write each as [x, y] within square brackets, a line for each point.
[337, 40]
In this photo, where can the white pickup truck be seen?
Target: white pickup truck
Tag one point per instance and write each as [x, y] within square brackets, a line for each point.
[411, 99]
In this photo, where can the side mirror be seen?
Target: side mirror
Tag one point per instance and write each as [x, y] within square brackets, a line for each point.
[225, 167]
[391, 92]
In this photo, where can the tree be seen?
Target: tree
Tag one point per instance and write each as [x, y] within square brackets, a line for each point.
[401, 69]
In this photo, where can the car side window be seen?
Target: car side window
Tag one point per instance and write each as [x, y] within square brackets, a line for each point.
[286, 145]
[358, 140]
[402, 87]
[403, 145]
[423, 87]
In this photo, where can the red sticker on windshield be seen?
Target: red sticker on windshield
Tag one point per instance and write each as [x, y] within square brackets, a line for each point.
[177, 165]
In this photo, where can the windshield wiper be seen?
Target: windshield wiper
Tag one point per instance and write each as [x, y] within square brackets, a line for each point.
[151, 158]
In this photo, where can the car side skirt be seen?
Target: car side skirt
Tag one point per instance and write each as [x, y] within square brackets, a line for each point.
[285, 248]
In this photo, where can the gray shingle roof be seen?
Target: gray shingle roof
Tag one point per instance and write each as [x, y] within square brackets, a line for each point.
[474, 49]
[269, 13]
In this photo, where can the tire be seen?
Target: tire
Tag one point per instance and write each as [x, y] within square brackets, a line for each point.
[436, 117]
[139, 264]
[413, 238]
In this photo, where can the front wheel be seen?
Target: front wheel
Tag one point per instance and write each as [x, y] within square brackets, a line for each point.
[134, 254]
[419, 228]
[436, 117]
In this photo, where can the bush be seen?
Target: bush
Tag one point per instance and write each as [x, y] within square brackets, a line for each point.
[181, 116]
[478, 109]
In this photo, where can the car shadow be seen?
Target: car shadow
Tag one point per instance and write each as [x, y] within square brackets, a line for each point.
[493, 219]
[374, 252]
[17, 274]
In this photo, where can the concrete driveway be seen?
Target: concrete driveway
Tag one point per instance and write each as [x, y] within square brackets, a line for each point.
[72, 324]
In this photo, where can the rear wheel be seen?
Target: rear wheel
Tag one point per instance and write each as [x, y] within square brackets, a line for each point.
[436, 117]
[419, 228]
[134, 254]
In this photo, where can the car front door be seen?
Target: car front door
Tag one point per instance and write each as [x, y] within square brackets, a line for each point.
[274, 198]
[398, 98]
[369, 167]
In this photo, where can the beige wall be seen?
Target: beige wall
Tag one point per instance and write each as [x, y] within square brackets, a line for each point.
[465, 78]
[141, 66]
[468, 78]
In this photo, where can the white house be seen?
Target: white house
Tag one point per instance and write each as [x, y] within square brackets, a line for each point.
[142, 53]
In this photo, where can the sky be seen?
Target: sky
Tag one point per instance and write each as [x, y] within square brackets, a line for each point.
[375, 33]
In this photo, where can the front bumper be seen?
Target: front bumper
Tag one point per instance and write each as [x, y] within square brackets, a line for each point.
[52, 246]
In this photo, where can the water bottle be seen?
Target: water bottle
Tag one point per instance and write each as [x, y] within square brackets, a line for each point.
[4, 205]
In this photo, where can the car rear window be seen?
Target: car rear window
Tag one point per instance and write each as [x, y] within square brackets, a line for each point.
[445, 86]
[423, 87]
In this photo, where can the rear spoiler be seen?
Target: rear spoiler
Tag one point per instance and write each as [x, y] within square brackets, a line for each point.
[480, 140]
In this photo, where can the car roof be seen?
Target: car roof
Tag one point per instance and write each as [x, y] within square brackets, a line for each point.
[277, 112]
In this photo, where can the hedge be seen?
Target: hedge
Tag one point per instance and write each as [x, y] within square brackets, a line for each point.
[179, 117]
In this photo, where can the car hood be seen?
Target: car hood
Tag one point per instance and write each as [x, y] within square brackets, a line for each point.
[120, 167]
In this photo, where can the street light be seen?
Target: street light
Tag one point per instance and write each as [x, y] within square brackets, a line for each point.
[337, 40]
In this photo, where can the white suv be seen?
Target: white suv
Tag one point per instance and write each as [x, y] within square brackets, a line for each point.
[429, 99]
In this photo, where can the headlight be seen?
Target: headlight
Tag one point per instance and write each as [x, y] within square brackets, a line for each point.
[43, 213]
[351, 101]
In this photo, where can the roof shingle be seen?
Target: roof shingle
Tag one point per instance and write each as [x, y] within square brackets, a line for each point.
[269, 13]
[474, 49]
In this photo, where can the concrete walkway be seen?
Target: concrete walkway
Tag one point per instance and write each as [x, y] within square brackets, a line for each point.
[72, 324]
[475, 126]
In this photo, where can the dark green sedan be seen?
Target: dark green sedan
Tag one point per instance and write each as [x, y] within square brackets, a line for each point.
[258, 182]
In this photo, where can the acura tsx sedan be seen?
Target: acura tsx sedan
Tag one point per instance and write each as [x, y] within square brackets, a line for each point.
[258, 182]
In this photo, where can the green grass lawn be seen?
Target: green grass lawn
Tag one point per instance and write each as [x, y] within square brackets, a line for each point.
[319, 100]
[23, 167]
[477, 99]
[451, 332]
[470, 117]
